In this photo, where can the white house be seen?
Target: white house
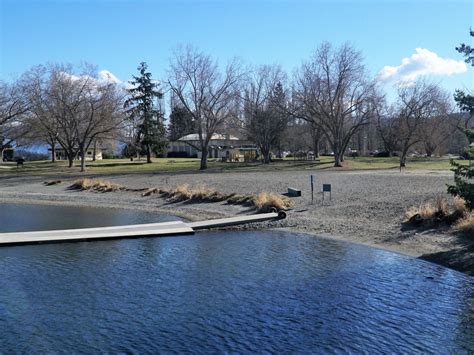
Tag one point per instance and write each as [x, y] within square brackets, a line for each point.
[221, 146]
[61, 154]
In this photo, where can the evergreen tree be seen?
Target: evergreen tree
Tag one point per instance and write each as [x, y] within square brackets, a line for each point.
[181, 123]
[142, 107]
[464, 175]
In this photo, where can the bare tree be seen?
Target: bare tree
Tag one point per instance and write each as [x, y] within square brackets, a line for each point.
[264, 108]
[204, 92]
[72, 109]
[332, 90]
[416, 105]
[13, 107]
[100, 117]
[43, 124]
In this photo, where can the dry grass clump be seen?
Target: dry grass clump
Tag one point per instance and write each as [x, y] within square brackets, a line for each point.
[424, 211]
[205, 194]
[459, 205]
[429, 215]
[466, 224]
[52, 182]
[98, 185]
[182, 193]
[200, 194]
[265, 201]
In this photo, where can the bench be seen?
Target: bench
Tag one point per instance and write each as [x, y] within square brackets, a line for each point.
[19, 162]
[293, 192]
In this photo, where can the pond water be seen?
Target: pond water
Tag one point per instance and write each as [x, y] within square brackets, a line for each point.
[221, 292]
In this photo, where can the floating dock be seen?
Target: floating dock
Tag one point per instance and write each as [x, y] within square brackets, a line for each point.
[130, 231]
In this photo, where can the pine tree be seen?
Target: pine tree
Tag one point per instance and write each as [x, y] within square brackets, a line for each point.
[142, 107]
[181, 123]
[464, 175]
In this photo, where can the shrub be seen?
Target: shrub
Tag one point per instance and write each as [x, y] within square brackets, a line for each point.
[463, 186]
[264, 202]
[466, 224]
[95, 185]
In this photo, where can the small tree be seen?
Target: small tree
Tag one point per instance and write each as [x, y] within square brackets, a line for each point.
[150, 132]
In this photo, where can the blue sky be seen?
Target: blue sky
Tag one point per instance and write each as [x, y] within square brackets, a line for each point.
[116, 35]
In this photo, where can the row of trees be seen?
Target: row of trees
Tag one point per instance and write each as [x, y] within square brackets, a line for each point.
[331, 100]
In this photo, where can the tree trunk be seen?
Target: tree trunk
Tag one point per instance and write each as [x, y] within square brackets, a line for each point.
[316, 147]
[94, 151]
[266, 155]
[403, 158]
[83, 160]
[204, 152]
[337, 160]
[70, 158]
[53, 152]
[148, 154]
[338, 155]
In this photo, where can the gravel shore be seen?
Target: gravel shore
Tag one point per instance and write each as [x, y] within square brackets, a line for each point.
[366, 207]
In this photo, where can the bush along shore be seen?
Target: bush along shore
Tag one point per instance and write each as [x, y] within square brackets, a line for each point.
[454, 214]
[262, 202]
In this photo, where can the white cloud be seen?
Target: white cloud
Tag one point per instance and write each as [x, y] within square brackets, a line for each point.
[107, 76]
[422, 62]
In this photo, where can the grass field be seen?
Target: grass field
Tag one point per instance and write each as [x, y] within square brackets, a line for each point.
[125, 166]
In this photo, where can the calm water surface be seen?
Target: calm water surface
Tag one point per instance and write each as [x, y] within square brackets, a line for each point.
[221, 291]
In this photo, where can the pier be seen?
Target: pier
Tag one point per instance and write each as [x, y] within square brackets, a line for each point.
[130, 231]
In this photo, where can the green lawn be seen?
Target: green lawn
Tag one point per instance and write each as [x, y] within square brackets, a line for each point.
[125, 166]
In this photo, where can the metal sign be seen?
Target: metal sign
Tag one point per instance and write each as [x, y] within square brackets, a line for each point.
[327, 188]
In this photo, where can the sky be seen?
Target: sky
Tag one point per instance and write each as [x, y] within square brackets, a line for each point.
[400, 40]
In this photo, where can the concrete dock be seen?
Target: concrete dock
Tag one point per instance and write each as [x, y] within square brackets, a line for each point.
[69, 235]
[130, 231]
[232, 221]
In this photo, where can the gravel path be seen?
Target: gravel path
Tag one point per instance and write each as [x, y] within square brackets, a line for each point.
[367, 207]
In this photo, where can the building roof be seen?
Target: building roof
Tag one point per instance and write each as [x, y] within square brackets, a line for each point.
[215, 137]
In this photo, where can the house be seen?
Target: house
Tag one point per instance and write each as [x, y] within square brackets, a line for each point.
[221, 146]
[61, 154]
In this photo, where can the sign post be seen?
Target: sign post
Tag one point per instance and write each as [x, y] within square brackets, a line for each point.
[327, 188]
[312, 189]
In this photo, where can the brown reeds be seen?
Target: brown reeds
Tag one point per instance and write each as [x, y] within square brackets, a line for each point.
[466, 224]
[441, 212]
[263, 202]
[98, 185]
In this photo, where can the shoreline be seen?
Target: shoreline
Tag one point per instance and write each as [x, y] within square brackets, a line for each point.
[361, 215]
